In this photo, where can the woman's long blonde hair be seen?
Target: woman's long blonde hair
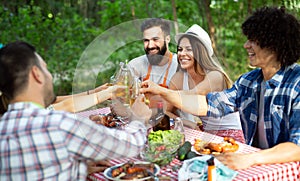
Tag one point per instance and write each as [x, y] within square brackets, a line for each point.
[206, 62]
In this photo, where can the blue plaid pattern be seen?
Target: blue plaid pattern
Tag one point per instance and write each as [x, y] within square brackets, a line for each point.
[40, 144]
[281, 99]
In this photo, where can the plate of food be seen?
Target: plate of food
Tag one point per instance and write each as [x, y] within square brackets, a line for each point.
[137, 171]
[109, 120]
[203, 148]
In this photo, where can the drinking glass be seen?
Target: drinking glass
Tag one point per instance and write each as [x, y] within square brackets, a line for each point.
[135, 90]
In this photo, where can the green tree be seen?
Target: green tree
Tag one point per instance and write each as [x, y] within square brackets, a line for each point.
[62, 31]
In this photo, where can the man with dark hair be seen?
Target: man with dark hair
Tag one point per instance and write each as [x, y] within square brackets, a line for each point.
[267, 98]
[41, 144]
[159, 64]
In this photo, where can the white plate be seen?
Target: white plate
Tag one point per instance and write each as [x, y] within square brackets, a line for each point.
[194, 150]
[107, 172]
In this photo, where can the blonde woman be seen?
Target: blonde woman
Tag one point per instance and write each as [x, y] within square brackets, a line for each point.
[200, 73]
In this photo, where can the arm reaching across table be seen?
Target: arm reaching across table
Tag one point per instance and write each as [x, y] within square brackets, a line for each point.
[238, 161]
[82, 101]
[194, 104]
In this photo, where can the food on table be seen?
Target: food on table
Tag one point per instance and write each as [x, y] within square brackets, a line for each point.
[184, 152]
[159, 154]
[168, 137]
[131, 170]
[162, 146]
[108, 120]
[214, 147]
[205, 151]
[228, 145]
[191, 154]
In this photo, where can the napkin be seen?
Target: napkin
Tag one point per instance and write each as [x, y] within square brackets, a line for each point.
[196, 169]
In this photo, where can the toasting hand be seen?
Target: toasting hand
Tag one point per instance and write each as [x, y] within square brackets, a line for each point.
[138, 111]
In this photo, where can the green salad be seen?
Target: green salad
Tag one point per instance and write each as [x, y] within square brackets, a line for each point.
[162, 146]
[172, 137]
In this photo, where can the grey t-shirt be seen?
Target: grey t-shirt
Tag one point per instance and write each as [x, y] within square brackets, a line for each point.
[140, 65]
[260, 138]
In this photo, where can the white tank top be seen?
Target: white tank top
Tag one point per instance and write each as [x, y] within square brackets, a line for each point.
[230, 121]
[182, 114]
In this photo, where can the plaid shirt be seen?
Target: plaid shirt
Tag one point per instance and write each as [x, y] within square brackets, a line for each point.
[40, 144]
[281, 99]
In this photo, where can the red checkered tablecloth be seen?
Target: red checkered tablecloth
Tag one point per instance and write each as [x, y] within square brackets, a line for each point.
[275, 172]
[96, 111]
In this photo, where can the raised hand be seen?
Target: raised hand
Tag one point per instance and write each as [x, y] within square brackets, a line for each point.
[140, 110]
[150, 87]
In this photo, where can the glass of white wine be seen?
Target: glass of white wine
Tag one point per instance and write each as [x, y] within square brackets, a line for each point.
[135, 90]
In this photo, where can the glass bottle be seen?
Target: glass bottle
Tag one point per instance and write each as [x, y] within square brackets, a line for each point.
[124, 77]
[211, 171]
[178, 125]
[160, 121]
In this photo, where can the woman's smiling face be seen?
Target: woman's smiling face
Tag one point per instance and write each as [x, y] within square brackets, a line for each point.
[185, 54]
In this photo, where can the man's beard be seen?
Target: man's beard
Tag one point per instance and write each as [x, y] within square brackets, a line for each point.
[49, 95]
[54, 98]
[155, 59]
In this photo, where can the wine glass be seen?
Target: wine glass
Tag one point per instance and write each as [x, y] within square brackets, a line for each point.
[146, 97]
[135, 90]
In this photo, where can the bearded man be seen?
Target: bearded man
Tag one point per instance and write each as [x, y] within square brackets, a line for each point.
[158, 64]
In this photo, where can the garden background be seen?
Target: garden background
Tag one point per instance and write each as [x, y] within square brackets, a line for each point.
[61, 30]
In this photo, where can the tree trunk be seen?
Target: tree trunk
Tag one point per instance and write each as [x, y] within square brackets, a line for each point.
[249, 7]
[211, 26]
[175, 16]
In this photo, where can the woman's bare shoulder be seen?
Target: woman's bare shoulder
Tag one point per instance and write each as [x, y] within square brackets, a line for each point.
[176, 81]
[215, 74]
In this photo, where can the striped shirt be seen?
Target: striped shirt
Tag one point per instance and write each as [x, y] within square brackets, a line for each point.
[40, 144]
[281, 100]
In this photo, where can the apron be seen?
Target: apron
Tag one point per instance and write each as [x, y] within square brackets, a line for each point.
[164, 84]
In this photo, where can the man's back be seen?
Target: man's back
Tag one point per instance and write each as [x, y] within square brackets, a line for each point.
[38, 144]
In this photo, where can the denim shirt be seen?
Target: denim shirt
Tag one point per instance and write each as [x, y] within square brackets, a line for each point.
[281, 99]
